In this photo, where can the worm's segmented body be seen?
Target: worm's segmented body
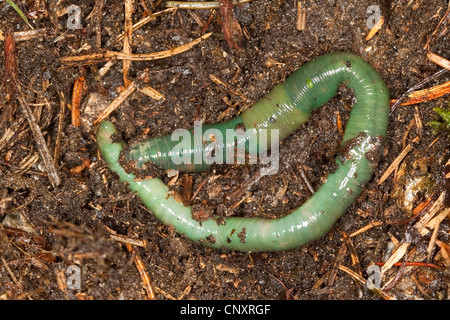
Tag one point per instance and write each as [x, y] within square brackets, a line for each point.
[285, 108]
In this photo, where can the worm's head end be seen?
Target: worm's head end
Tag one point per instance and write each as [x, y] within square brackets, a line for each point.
[110, 151]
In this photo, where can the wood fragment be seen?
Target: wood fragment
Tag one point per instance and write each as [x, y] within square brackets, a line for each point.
[187, 189]
[438, 205]
[165, 294]
[425, 94]
[30, 34]
[205, 5]
[444, 63]
[432, 241]
[127, 40]
[337, 263]
[208, 22]
[62, 111]
[77, 96]
[231, 28]
[354, 256]
[146, 20]
[152, 93]
[144, 275]
[301, 17]
[360, 279]
[147, 11]
[395, 257]
[375, 28]
[306, 180]
[114, 55]
[11, 73]
[11, 274]
[27, 163]
[9, 133]
[446, 184]
[218, 81]
[105, 68]
[98, 23]
[444, 252]
[443, 21]
[433, 93]
[199, 188]
[397, 161]
[353, 274]
[115, 103]
[365, 228]
[413, 264]
[339, 123]
[41, 145]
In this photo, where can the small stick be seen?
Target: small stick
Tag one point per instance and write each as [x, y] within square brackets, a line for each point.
[397, 161]
[152, 93]
[11, 73]
[437, 224]
[218, 81]
[354, 256]
[208, 22]
[417, 86]
[435, 208]
[199, 4]
[116, 103]
[29, 34]
[365, 228]
[44, 153]
[339, 123]
[446, 184]
[425, 94]
[353, 274]
[306, 180]
[146, 20]
[444, 63]
[114, 55]
[98, 25]
[11, 274]
[187, 189]
[375, 28]
[141, 268]
[127, 40]
[396, 256]
[394, 280]
[419, 124]
[362, 281]
[201, 185]
[231, 28]
[301, 17]
[413, 264]
[147, 11]
[77, 95]
[105, 68]
[337, 262]
[444, 18]
[444, 248]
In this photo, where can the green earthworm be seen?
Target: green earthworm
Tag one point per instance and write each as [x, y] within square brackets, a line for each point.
[282, 110]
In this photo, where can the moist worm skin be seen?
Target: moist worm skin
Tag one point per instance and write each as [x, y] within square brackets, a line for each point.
[290, 105]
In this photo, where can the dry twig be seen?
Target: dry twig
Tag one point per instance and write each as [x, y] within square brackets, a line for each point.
[116, 103]
[114, 55]
[127, 40]
[397, 161]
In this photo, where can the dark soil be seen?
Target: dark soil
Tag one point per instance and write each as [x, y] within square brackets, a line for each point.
[47, 229]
